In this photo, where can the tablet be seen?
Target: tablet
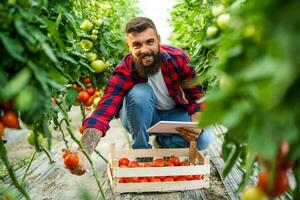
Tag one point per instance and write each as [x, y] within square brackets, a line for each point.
[169, 126]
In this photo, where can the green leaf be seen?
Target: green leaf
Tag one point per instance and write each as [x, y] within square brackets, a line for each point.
[13, 47]
[16, 84]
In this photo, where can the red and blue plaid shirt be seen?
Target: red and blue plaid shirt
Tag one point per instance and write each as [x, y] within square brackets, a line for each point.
[176, 72]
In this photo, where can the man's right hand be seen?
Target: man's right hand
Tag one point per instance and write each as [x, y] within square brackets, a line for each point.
[90, 139]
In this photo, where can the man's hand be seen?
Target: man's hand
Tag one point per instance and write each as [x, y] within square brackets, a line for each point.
[90, 139]
[189, 133]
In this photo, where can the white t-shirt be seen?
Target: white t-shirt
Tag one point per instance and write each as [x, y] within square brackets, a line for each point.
[163, 100]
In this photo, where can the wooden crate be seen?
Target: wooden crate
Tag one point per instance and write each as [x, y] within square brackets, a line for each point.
[201, 167]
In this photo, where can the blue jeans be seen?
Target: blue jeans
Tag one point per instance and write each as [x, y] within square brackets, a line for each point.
[138, 113]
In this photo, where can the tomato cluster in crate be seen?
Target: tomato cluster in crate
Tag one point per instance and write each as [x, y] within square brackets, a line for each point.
[172, 161]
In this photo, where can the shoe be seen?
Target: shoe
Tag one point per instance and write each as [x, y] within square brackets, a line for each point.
[156, 143]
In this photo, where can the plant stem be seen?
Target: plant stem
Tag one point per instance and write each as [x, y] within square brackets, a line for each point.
[9, 168]
[48, 154]
[28, 166]
[99, 154]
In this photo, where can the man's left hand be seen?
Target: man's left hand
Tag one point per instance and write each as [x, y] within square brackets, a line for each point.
[189, 133]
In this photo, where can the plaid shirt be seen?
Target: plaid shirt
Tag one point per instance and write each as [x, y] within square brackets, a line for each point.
[177, 76]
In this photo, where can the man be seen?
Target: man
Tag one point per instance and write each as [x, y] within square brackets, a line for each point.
[153, 82]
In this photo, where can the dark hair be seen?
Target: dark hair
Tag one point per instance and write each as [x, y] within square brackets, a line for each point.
[139, 24]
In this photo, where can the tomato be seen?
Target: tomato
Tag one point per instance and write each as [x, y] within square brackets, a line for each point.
[175, 160]
[185, 163]
[212, 31]
[31, 139]
[196, 177]
[99, 66]
[168, 179]
[253, 193]
[169, 164]
[158, 162]
[90, 90]
[123, 161]
[154, 179]
[146, 164]
[95, 32]
[143, 180]
[1, 130]
[133, 164]
[123, 166]
[277, 188]
[83, 96]
[94, 37]
[86, 25]
[10, 119]
[71, 161]
[90, 101]
[77, 87]
[180, 178]
[122, 180]
[65, 152]
[223, 20]
[217, 10]
[132, 180]
[97, 22]
[86, 44]
[91, 57]
[87, 80]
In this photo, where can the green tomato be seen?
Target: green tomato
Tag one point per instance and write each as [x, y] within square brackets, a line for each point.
[98, 22]
[253, 193]
[86, 25]
[211, 31]
[95, 32]
[30, 138]
[91, 57]
[217, 10]
[94, 37]
[99, 66]
[223, 20]
[25, 100]
[86, 44]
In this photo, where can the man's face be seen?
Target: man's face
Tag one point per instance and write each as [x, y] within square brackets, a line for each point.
[144, 47]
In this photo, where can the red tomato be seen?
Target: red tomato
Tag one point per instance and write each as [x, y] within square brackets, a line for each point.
[169, 164]
[90, 90]
[65, 152]
[123, 161]
[123, 166]
[71, 161]
[77, 87]
[90, 101]
[87, 80]
[10, 119]
[146, 164]
[132, 180]
[168, 179]
[154, 179]
[197, 177]
[175, 160]
[133, 164]
[185, 163]
[122, 180]
[277, 188]
[143, 179]
[158, 162]
[180, 178]
[83, 96]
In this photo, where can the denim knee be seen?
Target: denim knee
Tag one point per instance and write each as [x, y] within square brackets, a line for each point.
[140, 94]
[205, 138]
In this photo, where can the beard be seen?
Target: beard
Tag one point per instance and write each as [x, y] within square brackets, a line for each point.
[147, 70]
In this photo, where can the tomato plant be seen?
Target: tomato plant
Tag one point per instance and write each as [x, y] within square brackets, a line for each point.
[249, 52]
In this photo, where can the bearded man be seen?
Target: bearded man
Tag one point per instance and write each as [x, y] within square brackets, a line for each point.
[149, 85]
